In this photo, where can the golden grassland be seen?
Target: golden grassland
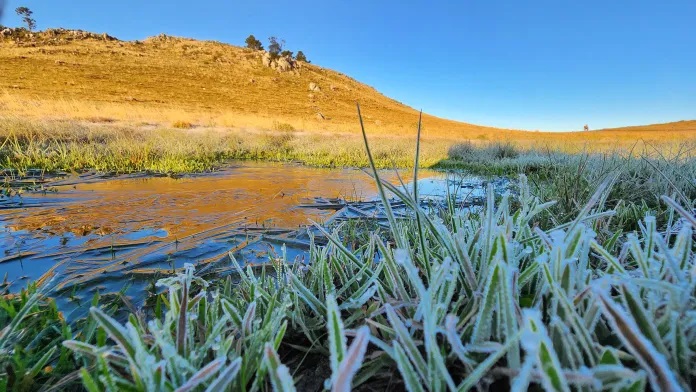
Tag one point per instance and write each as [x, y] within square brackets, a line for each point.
[212, 91]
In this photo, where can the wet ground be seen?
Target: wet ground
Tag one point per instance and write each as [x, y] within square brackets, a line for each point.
[87, 233]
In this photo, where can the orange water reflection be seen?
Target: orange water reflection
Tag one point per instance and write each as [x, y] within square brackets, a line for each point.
[256, 195]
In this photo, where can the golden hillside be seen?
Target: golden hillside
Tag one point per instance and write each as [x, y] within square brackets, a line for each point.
[164, 80]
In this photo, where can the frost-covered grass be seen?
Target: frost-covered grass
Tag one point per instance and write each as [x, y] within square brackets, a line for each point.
[449, 300]
[639, 177]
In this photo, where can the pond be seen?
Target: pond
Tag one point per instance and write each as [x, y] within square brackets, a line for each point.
[90, 233]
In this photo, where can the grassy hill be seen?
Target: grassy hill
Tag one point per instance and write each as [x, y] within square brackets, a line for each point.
[176, 79]
[61, 73]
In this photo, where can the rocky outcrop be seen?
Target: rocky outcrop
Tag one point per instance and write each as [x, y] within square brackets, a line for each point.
[53, 35]
[280, 64]
[78, 34]
[266, 59]
[314, 87]
[284, 64]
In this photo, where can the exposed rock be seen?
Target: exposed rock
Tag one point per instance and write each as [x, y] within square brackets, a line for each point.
[281, 64]
[266, 59]
[333, 88]
[53, 35]
[314, 87]
[320, 116]
[60, 62]
[310, 96]
[252, 80]
[284, 64]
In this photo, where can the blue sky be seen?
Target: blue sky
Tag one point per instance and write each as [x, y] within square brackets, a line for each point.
[547, 65]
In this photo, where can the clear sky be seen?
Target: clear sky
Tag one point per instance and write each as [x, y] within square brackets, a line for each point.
[547, 65]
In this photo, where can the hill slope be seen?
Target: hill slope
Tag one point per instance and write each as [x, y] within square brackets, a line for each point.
[166, 73]
[62, 73]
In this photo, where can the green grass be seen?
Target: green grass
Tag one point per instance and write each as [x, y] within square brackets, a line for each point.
[32, 330]
[515, 295]
[70, 146]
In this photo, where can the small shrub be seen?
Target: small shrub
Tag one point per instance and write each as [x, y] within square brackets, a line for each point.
[461, 151]
[284, 127]
[182, 124]
[390, 154]
[278, 141]
[100, 119]
[502, 150]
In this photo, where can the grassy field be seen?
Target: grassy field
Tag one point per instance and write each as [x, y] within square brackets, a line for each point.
[511, 296]
[69, 145]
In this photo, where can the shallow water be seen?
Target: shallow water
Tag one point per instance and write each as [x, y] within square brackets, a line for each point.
[124, 233]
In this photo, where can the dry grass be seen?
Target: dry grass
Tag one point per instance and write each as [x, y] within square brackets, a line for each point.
[213, 85]
[55, 145]
[182, 125]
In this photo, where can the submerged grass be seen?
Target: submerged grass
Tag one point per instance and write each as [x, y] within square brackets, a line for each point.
[454, 299]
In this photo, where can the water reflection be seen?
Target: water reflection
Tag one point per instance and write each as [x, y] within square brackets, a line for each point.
[106, 235]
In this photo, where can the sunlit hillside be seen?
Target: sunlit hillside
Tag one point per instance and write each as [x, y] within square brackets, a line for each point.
[166, 81]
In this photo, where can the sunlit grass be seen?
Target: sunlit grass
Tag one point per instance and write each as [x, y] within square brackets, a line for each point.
[69, 146]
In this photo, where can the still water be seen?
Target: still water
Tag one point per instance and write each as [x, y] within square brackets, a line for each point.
[121, 234]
